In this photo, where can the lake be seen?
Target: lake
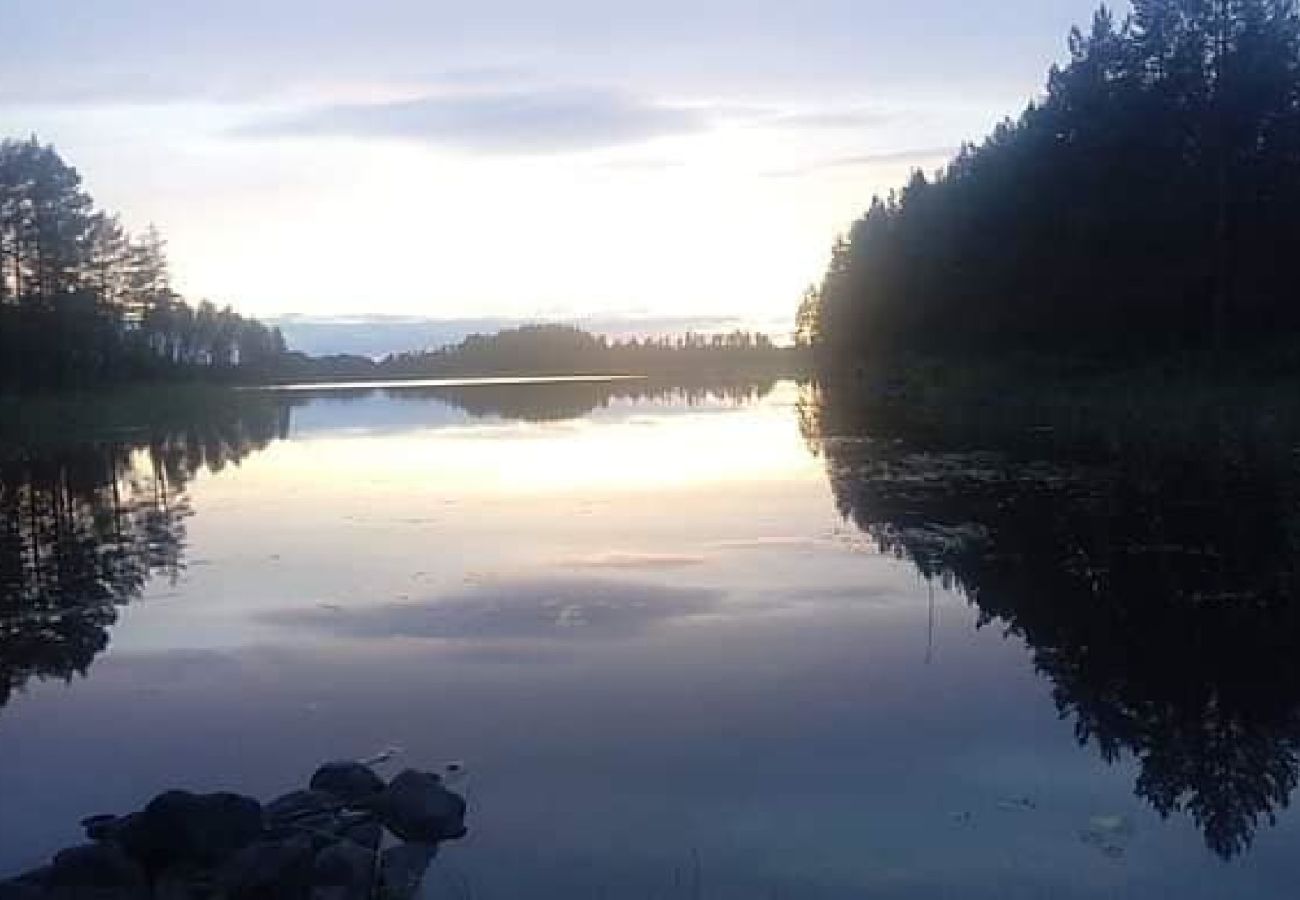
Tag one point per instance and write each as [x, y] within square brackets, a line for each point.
[742, 640]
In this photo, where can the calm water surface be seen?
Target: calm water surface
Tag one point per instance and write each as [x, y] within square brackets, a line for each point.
[717, 644]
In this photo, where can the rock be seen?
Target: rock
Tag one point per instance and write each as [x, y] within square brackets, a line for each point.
[31, 886]
[366, 834]
[402, 868]
[416, 807]
[96, 866]
[304, 812]
[102, 827]
[182, 885]
[318, 844]
[349, 781]
[203, 829]
[269, 870]
[300, 804]
[343, 871]
[20, 890]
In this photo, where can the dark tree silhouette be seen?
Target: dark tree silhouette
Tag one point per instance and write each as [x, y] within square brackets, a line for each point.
[1155, 579]
[1145, 204]
[83, 303]
[567, 350]
[556, 350]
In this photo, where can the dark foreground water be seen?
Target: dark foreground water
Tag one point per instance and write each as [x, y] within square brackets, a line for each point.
[729, 643]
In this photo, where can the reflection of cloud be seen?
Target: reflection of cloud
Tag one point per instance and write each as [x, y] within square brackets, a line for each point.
[562, 608]
[539, 121]
[880, 594]
[620, 560]
[763, 543]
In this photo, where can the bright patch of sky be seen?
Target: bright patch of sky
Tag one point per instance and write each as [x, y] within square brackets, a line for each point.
[508, 158]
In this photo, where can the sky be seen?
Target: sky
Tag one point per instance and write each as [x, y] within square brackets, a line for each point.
[512, 158]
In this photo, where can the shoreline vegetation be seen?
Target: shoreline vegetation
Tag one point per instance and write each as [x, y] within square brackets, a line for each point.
[556, 350]
[1131, 228]
[84, 303]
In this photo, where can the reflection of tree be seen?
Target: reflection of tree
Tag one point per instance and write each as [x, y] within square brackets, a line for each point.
[560, 400]
[83, 528]
[1155, 585]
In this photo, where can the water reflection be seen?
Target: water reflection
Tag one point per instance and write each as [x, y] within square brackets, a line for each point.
[545, 400]
[1154, 577]
[88, 516]
[648, 586]
[85, 525]
[546, 609]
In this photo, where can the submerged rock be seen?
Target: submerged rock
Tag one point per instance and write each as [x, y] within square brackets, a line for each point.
[1108, 834]
[344, 871]
[402, 870]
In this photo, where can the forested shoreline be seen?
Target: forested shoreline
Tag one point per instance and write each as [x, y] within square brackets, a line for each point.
[1144, 207]
[557, 349]
[84, 303]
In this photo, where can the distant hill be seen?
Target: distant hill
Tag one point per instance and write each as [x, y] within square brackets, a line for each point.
[377, 336]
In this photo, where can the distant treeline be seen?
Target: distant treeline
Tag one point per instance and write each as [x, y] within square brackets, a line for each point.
[562, 350]
[82, 302]
[1148, 203]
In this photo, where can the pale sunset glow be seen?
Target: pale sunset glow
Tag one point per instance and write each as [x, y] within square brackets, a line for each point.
[432, 160]
[676, 449]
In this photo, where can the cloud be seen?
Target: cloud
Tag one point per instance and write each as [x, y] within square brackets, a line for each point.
[549, 608]
[800, 116]
[916, 157]
[836, 118]
[506, 122]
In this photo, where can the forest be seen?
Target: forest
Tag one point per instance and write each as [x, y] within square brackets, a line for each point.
[1146, 205]
[83, 302]
[557, 349]
[565, 349]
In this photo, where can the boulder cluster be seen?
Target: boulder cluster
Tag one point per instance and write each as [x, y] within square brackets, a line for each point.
[349, 836]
